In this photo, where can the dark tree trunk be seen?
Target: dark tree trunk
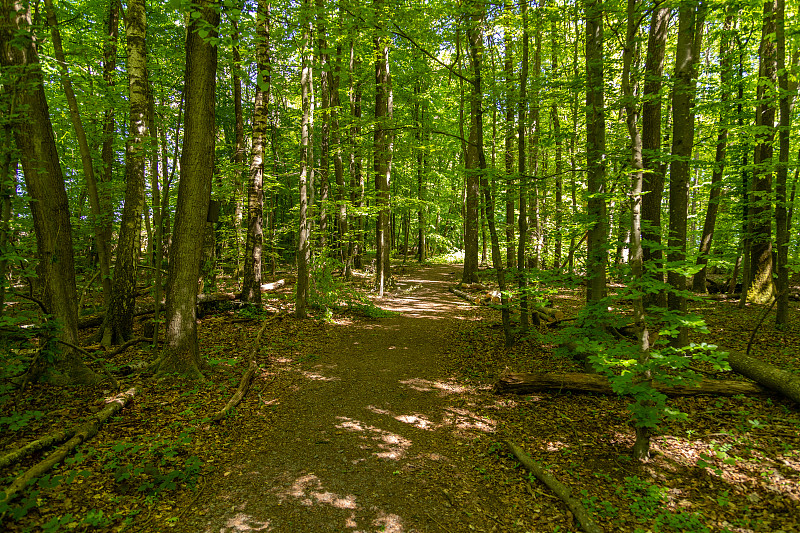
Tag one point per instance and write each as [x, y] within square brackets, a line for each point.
[596, 254]
[182, 354]
[761, 288]
[44, 182]
[690, 29]
[523, 178]
[653, 185]
[306, 172]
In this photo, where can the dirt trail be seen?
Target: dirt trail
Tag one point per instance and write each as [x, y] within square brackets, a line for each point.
[370, 441]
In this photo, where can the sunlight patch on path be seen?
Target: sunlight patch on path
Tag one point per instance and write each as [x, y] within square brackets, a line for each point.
[392, 445]
[242, 523]
[427, 385]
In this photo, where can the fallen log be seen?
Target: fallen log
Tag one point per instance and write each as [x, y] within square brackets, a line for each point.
[247, 378]
[560, 490]
[32, 447]
[96, 320]
[462, 294]
[273, 286]
[526, 383]
[765, 374]
[85, 432]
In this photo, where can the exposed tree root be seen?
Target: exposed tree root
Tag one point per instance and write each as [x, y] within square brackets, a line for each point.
[561, 490]
[83, 433]
[247, 378]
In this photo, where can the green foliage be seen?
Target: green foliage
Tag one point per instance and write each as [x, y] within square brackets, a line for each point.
[329, 292]
[19, 420]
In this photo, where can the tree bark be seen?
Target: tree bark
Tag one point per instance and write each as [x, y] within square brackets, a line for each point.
[596, 254]
[251, 279]
[118, 325]
[523, 177]
[782, 225]
[699, 280]
[306, 174]
[690, 29]
[100, 242]
[182, 354]
[653, 185]
[765, 374]
[528, 383]
[383, 155]
[761, 288]
[44, 182]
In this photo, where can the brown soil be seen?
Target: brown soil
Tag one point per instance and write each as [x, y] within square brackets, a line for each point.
[369, 439]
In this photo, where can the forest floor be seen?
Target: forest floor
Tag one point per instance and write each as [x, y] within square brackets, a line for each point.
[384, 420]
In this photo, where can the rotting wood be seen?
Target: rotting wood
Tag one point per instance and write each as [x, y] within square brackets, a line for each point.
[561, 490]
[83, 433]
[525, 383]
[32, 447]
[461, 294]
[247, 378]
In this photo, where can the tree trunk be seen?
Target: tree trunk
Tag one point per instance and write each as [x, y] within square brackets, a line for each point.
[653, 185]
[100, 242]
[357, 185]
[690, 29]
[699, 280]
[44, 182]
[306, 174]
[383, 156]
[251, 280]
[182, 354]
[596, 254]
[118, 326]
[761, 287]
[508, 69]
[782, 224]
[523, 178]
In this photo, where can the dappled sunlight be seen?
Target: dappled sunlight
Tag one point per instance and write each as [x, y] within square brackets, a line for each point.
[391, 445]
[468, 421]
[427, 385]
[388, 523]
[242, 523]
[733, 461]
[417, 420]
[307, 490]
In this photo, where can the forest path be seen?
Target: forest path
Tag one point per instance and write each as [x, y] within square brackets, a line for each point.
[370, 439]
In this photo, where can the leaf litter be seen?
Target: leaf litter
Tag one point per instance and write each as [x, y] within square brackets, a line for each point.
[389, 424]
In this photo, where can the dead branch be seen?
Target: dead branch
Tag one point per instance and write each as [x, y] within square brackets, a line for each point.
[247, 378]
[85, 432]
[32, 447]
[561, 490]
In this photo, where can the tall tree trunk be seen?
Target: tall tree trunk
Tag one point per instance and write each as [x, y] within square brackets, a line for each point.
[761, 288]
[338, 164]
[357, 185]
[118, 323]
[306, 162]
[109, 133]
[559, 164]
[508, 69]
[653, 185]
[523, 178]
[8, 190]
[239, 148]
[44, 182]
[596, 254]
[782, 226]
[419, 134]
[383, 155]
[690, 27]
[699, 280]
[641, 447]
[182, 354]
[251, 281]
[100, 242]
[325, 128]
